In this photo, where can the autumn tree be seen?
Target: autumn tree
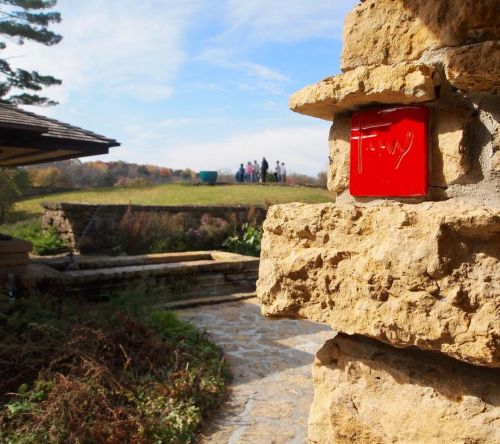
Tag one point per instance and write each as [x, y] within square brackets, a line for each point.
[22, 20]
[13, 183]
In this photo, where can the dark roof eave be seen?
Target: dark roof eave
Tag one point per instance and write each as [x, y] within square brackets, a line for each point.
[66, 157]
[47, 143]
[15, 118]
[24, 127]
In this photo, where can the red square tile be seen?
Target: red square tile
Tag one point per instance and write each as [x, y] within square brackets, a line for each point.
[389, 152]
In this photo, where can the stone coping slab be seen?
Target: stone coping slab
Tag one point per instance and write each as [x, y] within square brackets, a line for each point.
[92, 262]
[83, 206]
[207, 300]
[400, 84]
[424, 274]
[15, 246]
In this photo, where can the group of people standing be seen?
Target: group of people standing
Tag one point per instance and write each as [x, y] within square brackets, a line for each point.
[253, 172]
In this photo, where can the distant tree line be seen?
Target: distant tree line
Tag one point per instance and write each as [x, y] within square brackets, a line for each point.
[69, 174]
[77, 174]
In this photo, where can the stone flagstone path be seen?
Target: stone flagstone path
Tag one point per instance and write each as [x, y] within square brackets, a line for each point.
[271, 360]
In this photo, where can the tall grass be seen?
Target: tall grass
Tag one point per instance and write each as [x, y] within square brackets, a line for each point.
[146, 232]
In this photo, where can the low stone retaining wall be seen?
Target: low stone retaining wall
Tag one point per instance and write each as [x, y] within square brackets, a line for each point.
[178, 276]
[95, 228]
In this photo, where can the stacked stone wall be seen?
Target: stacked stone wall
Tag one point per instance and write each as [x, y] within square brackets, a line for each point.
[412, 285]
[95, 228]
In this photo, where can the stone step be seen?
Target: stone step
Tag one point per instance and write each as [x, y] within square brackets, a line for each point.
[218, 299]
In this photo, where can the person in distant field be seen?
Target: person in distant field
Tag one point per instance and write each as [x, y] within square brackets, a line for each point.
[277, 171]
[256, 171]
[240, 174]
[248, 172]
[283, 173]
[264, 166]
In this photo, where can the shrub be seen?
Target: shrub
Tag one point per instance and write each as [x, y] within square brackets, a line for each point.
[246, 240]
[45, 242]
[117, 372]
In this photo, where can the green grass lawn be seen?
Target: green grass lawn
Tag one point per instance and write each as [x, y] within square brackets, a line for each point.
[177, 194]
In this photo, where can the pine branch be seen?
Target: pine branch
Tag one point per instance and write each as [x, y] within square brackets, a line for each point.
[40, 18]
[30, 4]
[30, 99]
[23, 24]
[25, 31]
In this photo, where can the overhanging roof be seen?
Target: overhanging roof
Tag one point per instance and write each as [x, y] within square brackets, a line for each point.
[27, 138]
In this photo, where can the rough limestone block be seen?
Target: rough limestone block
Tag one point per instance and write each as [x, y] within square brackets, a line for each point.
[474, 67]
[13, 259]
[369, 392]
[450, 159]
[15, 246]
[340, 149]
[390, 31]
[424, 274]
[400, 84]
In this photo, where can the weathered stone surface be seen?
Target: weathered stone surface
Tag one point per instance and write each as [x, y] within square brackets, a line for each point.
[390, 31]
[369, 392]
[399, 84]
[15, 246]
[340, 149]
[474, 67]
[495, 162]
[180, 275]
[13, 259]
[450, 159]
[14, 253]
[425, 274]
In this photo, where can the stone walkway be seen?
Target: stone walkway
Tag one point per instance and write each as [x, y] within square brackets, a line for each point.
[271, 360]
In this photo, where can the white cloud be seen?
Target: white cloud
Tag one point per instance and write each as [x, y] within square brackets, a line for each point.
[303, 149]
[123, 47]
[250, 24]
[255, 77]
[260, 21]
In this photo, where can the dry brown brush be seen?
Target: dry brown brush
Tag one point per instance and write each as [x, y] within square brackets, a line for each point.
[107, 378]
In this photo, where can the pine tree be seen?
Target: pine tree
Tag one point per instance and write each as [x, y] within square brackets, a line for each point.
[22, 20]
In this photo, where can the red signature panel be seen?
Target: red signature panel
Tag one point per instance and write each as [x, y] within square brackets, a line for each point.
[389, 151]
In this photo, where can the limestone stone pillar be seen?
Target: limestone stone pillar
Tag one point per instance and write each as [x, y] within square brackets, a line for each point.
[411, 285]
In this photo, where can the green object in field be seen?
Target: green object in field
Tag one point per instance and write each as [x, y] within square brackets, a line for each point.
[209, 177]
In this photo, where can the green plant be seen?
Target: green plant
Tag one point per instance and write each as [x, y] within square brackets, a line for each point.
[45, 242]
[245, 240]
[26, 399]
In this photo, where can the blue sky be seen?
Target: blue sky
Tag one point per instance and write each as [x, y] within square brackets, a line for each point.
[191, 83]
